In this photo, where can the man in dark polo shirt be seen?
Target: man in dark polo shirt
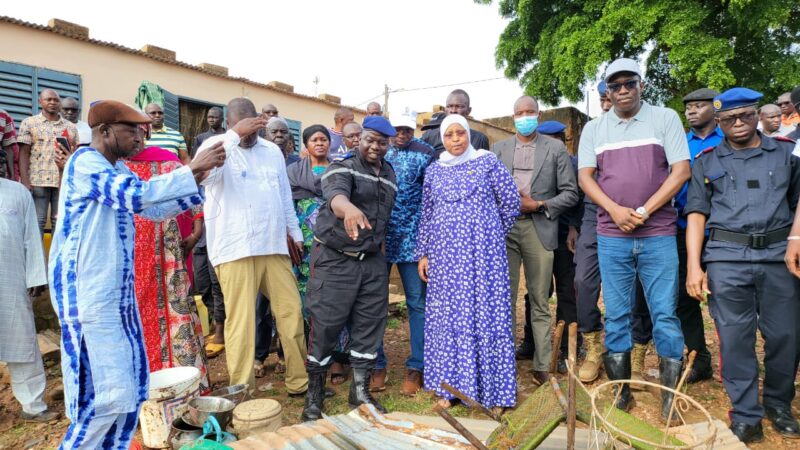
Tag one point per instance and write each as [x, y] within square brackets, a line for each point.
[639, 156]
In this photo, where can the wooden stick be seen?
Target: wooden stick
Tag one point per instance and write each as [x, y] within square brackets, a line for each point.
[556, 346]
[559, 394]
[470, 402]
[572, 356]
[460, 428]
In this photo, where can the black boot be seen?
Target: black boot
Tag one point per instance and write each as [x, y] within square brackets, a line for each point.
[670, 370]
[359, 390]
[315, 396]
[618, 367]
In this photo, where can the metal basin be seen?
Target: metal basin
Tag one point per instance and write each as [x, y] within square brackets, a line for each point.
[236, 393]
[199, 409]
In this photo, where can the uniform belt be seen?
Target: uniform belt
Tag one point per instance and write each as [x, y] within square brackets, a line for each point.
[357, 255]
[756, 241]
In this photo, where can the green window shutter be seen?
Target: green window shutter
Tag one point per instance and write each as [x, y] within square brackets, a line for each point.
[295, 127]
[20, 86]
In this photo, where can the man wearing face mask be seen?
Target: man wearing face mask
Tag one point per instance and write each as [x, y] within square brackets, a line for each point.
[543, 173]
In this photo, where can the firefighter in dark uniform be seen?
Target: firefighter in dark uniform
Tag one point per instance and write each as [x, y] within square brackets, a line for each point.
[745, 191]
[349, 282]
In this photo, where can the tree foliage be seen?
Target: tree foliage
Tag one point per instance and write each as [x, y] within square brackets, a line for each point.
[554, 47]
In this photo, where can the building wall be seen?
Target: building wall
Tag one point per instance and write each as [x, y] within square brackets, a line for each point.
[109, 73]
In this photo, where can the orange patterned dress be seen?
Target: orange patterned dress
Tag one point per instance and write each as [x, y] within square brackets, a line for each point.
[172, 331]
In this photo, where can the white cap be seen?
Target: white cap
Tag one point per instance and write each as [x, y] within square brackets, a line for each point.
[622, 65]
[403, 120]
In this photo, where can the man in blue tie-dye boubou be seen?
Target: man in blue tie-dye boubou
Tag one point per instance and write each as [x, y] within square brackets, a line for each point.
[104, 363]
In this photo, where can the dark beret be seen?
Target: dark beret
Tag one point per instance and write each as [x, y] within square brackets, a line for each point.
[379, 124]
[551, 127]
[703, 94]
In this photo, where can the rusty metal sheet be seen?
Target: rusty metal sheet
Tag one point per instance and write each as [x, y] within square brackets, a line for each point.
[362, 428]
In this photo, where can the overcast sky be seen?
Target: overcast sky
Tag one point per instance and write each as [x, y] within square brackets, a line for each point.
[354, 47]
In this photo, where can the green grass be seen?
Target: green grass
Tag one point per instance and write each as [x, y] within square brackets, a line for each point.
[393, 323]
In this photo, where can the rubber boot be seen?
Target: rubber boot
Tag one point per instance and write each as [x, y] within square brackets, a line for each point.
[315, 396]
[670, 370]
[590, 369]
[637, 365]
[618, 367]
[359, 390]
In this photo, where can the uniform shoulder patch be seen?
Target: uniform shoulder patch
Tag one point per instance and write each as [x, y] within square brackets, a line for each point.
[344, 157]
[704, 151]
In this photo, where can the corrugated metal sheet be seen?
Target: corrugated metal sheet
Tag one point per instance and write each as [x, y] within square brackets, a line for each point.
[362, 428]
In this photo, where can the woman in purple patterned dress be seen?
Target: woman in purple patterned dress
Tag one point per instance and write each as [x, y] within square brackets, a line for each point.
[470, 203]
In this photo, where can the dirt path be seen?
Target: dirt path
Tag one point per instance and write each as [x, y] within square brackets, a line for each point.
[17, 435]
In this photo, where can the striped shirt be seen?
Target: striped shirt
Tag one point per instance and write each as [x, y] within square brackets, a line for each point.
[168, 139]
[633, 159]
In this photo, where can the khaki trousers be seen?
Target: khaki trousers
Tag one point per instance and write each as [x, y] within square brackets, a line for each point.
[241, 281]
[524, 247]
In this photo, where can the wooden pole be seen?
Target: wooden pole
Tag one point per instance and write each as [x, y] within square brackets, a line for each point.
[556, 346]
[572, 356]
[470, 402]
[460, 428]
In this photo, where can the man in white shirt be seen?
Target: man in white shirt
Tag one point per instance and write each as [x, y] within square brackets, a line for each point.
[248, 215]
[71, 110]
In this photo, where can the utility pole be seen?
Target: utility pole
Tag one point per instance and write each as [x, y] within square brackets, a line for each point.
[316, 85]
[386, 99]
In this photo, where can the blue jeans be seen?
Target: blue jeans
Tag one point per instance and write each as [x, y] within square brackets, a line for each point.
[655, 261]
[414, 288]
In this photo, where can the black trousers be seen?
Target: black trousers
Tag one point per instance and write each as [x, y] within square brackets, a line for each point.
[689, 312]
[587, 285]
[745, 297]
[207, 285]
[263, 327]
[341, 291]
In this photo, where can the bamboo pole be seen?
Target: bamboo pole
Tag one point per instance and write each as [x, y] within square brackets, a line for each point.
[571, 386]
[556, 346]
[460, 428]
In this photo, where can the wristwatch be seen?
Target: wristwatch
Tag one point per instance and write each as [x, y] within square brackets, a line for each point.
[541, 208]
[643, 212]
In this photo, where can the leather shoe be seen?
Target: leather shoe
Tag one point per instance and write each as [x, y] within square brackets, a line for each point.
[524, 351]
[783, 421]
[747, 433]
[412, 383]
[377, 382]
[699, 374]
[561, 367]
[540, 377]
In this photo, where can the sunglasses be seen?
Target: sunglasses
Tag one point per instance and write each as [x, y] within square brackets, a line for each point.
[731, 120]
[629, 85]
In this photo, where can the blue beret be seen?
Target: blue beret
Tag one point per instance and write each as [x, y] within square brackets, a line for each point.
[737, 97]
[551, 127]
[602, 87]
[379, 124]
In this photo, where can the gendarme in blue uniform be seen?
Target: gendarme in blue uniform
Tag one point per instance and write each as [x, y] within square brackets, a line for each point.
[748, 197]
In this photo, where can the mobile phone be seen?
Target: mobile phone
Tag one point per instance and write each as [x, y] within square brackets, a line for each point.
[63, 141]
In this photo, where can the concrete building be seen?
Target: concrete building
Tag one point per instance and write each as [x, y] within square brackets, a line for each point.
[63, 56]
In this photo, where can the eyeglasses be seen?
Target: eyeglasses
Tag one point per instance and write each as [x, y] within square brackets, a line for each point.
[629, 85]
[70, 109]
[784, 103]
[729, 121]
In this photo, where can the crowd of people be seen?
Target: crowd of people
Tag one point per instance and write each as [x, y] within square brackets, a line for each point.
[292, 249]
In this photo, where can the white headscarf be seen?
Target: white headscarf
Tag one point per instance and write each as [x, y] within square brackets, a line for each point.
[469, 154]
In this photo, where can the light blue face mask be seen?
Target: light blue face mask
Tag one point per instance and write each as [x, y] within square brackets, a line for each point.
[526, 125]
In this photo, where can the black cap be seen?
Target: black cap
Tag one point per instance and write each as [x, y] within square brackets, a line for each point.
[435, 122]
[704, 94]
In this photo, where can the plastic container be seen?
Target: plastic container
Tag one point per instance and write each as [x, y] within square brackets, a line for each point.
[170, 390]
[257, 416]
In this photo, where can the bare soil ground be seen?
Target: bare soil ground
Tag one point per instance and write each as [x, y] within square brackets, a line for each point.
[15, 434]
